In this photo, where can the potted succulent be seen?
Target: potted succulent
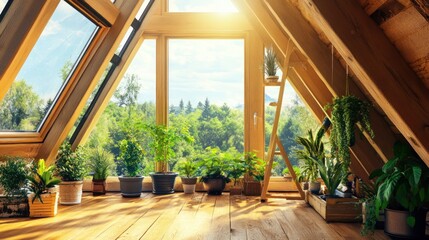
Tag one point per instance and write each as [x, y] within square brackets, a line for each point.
[101, 164]
[254, 174]
[161, 146]
[43, 199]
[347, 111]
[13, 178]
[71, 167]
[270, 65]
[131, 156]
[313, 148]
[214, 171]
[403, 192]
[187, 169]
[237, 168]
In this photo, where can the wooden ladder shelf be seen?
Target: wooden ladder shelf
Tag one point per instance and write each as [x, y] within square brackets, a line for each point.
[275, 142]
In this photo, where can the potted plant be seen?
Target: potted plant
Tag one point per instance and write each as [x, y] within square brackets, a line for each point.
[13, 178]
[214, 171]
[131, 156]
[347, 111]
[288, 176]
[236, 170]
[43, 199]
[101, 164]
[71, 167]
[313, 148]
[403, 192]
[254, 174]
[187, 169]
[161, 147]
[270, 65]
[331, 172]
[370, 221]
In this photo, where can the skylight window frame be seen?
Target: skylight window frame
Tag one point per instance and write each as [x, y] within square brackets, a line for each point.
[64, 92]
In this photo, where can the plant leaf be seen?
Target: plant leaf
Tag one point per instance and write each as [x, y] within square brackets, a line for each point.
[411, 221]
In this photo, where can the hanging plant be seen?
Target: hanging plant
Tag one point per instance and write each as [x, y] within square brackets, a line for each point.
[346, 112]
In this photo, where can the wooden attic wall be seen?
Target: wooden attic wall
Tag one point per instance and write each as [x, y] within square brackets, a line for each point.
[297, 21]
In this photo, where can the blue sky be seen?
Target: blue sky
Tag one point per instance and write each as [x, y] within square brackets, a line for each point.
[198, 68]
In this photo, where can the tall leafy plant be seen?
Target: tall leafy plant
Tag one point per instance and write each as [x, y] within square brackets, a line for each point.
[71, 165]
[313, 148]
[213, 166]
[347, 111]
[131, 156]
[163, 141]
[101, 163]
[254, 167]
[187, 167]
[42, 179]
[270, 62]
[331, 172]
[403, 182]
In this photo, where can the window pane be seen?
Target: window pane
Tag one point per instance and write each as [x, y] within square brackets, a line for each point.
[46, 70]
[132, 106]
[206, 91]
[201, 6]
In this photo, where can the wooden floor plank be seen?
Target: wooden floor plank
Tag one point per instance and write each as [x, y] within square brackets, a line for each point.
[181, 216]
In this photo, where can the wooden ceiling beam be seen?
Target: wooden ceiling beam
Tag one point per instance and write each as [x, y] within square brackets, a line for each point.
[87, 80]
[379, 67]
[329, 69]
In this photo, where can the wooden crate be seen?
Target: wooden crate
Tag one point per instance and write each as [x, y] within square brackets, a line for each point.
[337, 209]
[13, 207]
[48, 208]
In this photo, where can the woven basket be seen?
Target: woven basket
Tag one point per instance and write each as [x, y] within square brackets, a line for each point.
[71, 192]
[48, 208]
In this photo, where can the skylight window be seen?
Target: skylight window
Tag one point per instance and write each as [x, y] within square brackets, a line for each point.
[46, 70]
[221, 6]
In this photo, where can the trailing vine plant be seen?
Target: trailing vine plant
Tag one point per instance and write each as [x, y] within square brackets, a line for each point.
[346, 112]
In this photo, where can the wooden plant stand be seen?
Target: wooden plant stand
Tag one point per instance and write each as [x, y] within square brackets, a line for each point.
[337, 209]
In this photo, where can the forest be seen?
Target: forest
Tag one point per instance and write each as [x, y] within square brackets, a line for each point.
[210, 125]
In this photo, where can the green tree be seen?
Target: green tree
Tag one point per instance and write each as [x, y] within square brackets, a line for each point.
[189, 108]
[21, 108]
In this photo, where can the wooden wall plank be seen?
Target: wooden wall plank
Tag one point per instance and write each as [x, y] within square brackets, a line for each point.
[320, 59]
[376, 61]
[86, 83]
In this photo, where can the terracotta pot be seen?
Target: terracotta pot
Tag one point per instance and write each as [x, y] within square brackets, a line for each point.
[235, 190]
[71, 192]
[252, 188]
[98, 187]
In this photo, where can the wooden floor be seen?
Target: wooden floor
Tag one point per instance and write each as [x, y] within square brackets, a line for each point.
[181, 216]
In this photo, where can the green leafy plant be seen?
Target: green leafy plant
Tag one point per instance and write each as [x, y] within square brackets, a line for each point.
[213, 166]
[13, 176]
[296, 169]
[331, 172]
[347, 111]
[254, 167]
[236, 163]
[71, 165]
[187, 167]
[163, 142]
[42, 179]
[403, 182]
[101, 163]
[131, 155]
[313, 148]
[270, 62]
[370, 194]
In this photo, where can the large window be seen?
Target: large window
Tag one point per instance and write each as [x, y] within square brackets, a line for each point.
[206, 90]
[46, 70]
[201, 6]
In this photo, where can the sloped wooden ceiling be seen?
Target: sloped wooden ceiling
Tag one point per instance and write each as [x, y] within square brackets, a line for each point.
[320, 29]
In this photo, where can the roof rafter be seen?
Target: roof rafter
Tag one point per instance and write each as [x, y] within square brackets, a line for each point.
[376, 62]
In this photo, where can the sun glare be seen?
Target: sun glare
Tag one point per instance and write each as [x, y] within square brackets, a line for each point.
[220, 6]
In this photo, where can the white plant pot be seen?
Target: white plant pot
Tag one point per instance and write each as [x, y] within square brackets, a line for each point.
[189, 188]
